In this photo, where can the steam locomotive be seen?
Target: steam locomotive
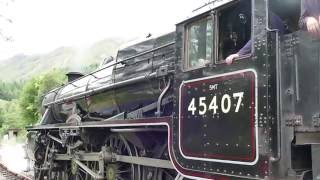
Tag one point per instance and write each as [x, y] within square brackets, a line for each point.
[169, 107]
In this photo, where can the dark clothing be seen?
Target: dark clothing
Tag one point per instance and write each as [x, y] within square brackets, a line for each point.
[275, 23]
[309, 8]
[246, 49]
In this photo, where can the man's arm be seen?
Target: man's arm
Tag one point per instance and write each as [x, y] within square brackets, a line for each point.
[308, 21]
[246, 49]
[275, 23]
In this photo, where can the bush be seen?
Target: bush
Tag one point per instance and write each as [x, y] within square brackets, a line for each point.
[34, 91]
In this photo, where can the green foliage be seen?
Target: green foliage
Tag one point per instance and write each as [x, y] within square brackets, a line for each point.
[10, 117]
[23, 109]
[28, 100]
[34, 91]
[25, 80]
[1, 117]
[90, 68]
[20, 102]
[9, 91]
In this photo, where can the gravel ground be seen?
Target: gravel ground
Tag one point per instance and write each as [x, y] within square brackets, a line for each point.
[13, 157]
[2, 177]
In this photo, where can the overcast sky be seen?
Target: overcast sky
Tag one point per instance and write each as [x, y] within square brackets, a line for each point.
[40, 26]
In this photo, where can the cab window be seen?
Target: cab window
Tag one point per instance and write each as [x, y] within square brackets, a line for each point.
[234, 28]
[199, 43]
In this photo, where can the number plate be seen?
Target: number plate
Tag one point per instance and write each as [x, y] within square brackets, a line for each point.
[217, 120]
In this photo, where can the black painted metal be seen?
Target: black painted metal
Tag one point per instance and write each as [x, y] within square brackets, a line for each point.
[267, 135]
[132, 82]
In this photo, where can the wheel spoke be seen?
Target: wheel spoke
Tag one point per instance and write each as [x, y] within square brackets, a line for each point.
[120, 171]
[120, 178]
[121, 146]
[169, 175]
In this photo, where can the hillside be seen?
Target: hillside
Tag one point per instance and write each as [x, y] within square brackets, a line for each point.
[22, 67]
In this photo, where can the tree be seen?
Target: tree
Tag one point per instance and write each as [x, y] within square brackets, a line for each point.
[10, 90]
[28, 101]
[10, 117]
[1, 117]
[90, 68]
[34, 91]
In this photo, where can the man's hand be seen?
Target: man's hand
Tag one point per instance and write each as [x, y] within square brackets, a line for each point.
[313, 26]
[231, 58]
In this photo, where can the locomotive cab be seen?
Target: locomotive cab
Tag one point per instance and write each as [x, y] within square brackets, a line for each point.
[249, 119]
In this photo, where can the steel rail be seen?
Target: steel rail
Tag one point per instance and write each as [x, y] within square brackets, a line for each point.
[8, 174]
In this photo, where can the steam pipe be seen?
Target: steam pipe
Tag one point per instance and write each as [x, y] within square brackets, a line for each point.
[103, 88]
[158, 113]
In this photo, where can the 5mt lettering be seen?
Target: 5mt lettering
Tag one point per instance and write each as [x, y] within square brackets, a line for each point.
[225, 104]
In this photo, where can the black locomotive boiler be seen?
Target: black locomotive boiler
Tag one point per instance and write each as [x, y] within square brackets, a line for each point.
[169, 107]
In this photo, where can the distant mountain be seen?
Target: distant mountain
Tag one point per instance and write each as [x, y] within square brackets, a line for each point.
[21, 67]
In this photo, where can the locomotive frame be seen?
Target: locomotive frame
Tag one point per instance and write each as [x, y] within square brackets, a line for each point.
[266, 106]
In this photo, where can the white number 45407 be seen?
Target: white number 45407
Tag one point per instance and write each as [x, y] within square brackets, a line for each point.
[225, 104]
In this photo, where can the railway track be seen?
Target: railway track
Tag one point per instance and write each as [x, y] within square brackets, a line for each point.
[6, 174]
